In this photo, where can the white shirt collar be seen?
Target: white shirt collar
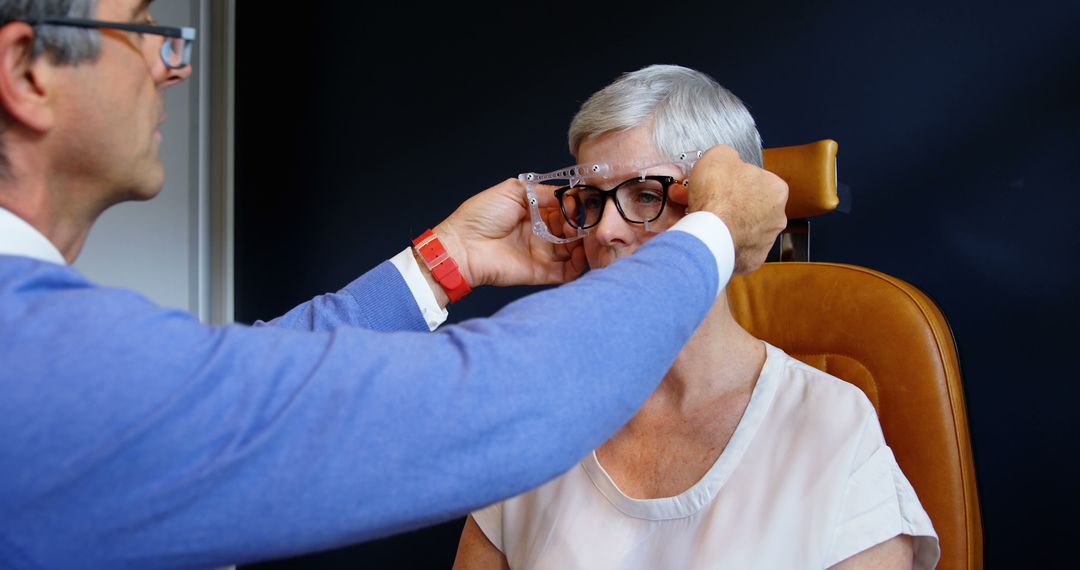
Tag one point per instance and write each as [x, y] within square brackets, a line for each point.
[20, 238]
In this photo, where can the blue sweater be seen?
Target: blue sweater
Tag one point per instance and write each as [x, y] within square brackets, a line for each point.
[134, 436]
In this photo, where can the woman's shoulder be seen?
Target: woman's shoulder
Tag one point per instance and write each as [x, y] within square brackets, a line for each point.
[807, 393]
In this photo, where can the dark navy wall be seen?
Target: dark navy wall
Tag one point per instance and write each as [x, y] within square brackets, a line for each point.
[959, 133]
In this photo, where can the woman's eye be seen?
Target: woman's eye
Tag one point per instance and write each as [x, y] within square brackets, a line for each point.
[648, 198]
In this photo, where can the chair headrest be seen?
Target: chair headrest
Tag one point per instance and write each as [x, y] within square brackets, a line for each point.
[810, 172]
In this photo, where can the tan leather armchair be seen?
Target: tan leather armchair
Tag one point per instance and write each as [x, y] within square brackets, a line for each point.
[883, 335]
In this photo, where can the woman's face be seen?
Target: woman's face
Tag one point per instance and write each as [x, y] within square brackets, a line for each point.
[613, 237]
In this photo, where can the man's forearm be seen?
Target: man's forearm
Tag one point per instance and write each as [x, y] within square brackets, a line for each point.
[378, 300]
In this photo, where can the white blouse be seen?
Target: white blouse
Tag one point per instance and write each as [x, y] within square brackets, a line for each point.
[805, 482]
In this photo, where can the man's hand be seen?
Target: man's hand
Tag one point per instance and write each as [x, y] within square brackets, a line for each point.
[748, 199]
[490, 236]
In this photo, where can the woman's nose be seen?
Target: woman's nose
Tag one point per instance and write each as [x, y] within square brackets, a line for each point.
[612, 229]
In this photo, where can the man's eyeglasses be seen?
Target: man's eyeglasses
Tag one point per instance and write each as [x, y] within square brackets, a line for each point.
[175, 50]
[639, 200]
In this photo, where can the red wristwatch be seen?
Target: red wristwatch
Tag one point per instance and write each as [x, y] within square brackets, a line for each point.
[443, 267]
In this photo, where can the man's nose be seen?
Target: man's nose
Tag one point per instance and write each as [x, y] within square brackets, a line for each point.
[175, 75]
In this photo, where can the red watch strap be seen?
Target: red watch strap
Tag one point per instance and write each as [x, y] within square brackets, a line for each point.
[443, 267]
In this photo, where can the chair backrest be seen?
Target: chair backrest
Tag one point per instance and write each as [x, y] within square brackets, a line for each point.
[888, 338]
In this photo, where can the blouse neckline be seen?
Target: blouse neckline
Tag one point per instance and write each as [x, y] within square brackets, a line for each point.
[701, 493]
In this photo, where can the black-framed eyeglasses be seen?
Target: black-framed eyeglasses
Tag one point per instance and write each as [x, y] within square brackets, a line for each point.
[175, 50]
[638, 200]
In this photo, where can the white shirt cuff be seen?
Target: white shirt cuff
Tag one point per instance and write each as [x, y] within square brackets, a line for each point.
[429, 307]
[711, 230]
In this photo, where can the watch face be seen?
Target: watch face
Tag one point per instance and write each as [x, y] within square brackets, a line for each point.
[431, 250]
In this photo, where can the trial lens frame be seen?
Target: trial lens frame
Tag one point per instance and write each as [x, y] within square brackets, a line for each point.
[604, 171]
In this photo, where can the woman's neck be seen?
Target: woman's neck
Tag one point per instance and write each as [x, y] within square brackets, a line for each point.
[688, 421]
[721, 360]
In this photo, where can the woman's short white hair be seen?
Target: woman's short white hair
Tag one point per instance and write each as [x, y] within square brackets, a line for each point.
[684, 108]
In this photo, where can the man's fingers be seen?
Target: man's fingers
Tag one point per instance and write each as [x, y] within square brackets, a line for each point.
[577, 263]
[711, 179]
[679, 194]
[560, 252]
[554, 220]
[749, 200]
[721, 152]
[779, 188]
[545, 195]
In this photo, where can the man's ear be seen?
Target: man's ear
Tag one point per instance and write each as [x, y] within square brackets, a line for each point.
[24, 81]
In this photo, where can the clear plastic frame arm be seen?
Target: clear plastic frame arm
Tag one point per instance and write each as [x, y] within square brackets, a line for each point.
[593, 173]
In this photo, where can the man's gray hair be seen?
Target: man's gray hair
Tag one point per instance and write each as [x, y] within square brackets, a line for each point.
[685, 109]
[64, 44]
